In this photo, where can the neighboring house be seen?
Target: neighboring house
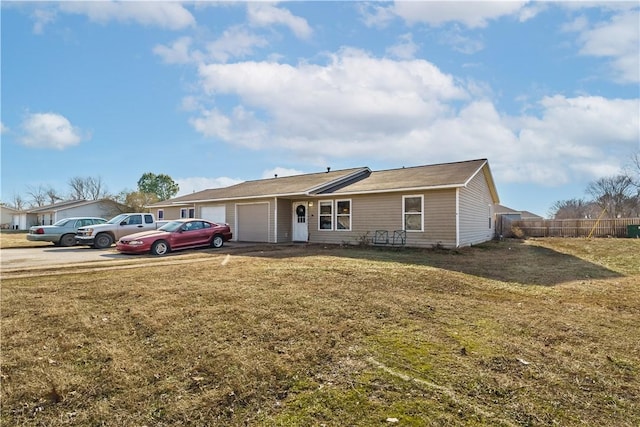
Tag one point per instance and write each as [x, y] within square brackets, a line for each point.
[504, 216]
[47, 215]
[6, 219]
[514, 214]
[445, 204]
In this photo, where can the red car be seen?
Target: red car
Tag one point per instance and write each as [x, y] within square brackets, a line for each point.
[178, 234]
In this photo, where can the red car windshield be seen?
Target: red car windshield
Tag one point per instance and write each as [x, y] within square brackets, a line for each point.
[171, 226]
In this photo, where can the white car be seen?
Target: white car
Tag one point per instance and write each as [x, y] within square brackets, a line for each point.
[63, 232]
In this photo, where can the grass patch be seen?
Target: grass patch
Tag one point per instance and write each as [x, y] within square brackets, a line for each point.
[18, 239]
[334, 336]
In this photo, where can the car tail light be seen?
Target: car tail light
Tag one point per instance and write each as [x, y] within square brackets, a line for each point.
[40, 231]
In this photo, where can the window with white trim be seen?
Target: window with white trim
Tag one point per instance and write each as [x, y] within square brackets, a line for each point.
[343, 214]
[160, 214]
[325, 215]
[183, 212]
[412, 210]
[192, 212]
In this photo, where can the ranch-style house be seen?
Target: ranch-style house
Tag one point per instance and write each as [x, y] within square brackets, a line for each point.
[450, 204]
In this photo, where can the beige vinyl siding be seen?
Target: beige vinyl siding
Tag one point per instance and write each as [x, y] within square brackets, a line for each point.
[170, 213]
[283, 228]
[384, 212]
[440, 220]
[475, 211]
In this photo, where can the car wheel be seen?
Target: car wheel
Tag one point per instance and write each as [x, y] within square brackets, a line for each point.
[217, 241]
[160, 248]
[68, 240]
[102, 240]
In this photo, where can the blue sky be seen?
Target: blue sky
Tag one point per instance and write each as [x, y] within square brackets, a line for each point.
[214, 93]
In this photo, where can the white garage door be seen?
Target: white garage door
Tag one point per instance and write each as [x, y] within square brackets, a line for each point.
[253, 222]
[214, 213]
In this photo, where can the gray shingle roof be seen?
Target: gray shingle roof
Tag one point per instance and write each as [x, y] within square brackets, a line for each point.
[271, 187]
[346, 181]
[429, 176]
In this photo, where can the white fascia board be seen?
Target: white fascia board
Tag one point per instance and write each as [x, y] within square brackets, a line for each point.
[491, 183]
[394, 190]
[226, 199]
[473, 175]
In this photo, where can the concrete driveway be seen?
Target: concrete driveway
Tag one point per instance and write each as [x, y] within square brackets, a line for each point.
[49, 256]
[15, 261]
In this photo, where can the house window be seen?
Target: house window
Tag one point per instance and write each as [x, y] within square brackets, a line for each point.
[160, 214]
[325, 217]
[343, 214]
[412, 208]
[187, 213]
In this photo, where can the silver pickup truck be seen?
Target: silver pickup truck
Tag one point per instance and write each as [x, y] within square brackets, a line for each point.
[104, 235]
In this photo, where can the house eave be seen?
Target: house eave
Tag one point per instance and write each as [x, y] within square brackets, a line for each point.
[394, 190]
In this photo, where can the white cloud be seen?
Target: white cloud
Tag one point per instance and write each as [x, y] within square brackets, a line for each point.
[170, 15]
[42, 17]
[235, 42]
[375, 15]
[49, 130]
[409, 112]
[194, 184]
[264, 14]
[618, 39]
[472, 14]
[315, 110]
[3, 128]
[179, 52]
[461, 43]
[405, 48]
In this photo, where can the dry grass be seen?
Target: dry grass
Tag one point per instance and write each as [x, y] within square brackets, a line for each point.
[18, 239]
[529, 333]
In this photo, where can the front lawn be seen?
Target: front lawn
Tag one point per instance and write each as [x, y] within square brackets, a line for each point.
[513, 333]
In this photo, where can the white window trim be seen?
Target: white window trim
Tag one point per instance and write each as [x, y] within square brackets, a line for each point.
[160, 214]
[404, 225]
[184, 213]
[349, 215]
[333, 222]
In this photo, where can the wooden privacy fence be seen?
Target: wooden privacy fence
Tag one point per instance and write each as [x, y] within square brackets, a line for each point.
[616, 227]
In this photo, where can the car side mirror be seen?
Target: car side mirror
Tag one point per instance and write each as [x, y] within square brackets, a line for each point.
[123, 223]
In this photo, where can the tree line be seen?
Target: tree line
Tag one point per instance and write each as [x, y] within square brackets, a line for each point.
[616, 196]
[151, 188]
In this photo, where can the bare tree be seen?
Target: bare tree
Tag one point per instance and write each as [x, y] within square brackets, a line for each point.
[633, 170]
[18, 202]
[52, 195]
[614, 194]
[38, 195]
[78, 191]
[95, 188]
[87, 188]
[573, 209]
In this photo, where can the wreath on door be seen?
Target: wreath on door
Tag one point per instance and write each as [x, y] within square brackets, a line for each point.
[300, 210]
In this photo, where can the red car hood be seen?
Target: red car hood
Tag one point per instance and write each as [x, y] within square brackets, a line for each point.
[143, 234]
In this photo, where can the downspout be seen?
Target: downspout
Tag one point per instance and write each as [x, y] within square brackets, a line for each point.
[275, 221]
[457, 217]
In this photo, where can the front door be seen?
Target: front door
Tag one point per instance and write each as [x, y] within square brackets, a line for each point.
[300, 222]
